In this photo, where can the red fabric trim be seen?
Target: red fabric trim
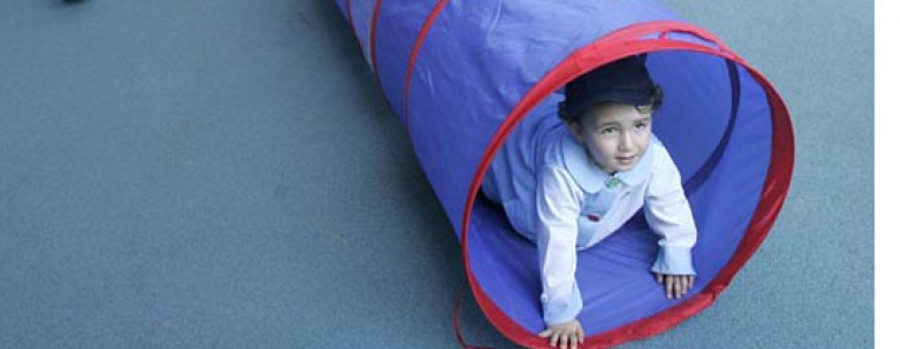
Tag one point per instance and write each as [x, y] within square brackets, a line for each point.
[621, 43]
[372, 30]
[456, 310]
[414, 55]
[353, 26]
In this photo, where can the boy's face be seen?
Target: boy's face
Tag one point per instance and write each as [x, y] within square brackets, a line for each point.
[616, 135]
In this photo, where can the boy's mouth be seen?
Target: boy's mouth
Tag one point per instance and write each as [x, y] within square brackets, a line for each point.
[626, 160]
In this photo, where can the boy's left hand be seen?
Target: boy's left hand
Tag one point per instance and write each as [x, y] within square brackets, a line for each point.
[676, 285]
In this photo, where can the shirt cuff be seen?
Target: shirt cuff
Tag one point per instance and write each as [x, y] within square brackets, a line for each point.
[674, 260]
[563, 310]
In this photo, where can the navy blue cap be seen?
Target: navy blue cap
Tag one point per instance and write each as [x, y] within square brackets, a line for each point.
[626, 81]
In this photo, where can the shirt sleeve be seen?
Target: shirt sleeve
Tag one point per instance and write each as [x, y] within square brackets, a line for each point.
[558, 208]
[669, 215]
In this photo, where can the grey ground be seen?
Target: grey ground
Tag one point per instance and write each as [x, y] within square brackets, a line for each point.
[193, 174]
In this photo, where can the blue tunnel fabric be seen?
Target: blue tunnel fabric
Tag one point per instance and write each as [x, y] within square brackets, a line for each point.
[476, 62]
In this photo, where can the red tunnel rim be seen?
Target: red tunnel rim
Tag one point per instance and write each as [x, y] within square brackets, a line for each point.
[373, 30]
[414, 56]
[618, 44]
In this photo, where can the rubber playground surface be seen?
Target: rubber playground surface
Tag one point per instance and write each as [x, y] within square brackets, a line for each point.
[183, 174]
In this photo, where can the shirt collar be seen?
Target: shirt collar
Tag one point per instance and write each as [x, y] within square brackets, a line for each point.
[591, 178]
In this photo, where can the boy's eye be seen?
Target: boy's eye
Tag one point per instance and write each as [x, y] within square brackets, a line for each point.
[641, 125]
[607, 130]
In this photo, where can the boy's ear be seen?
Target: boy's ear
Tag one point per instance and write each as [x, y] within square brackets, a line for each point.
[561, 110]
[576, 130]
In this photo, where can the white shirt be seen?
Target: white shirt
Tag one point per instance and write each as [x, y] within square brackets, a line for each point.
[557, 197]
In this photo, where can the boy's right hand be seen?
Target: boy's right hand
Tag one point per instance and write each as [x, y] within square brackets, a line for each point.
[565, 333]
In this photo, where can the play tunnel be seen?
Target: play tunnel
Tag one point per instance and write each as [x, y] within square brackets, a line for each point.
[465, 75]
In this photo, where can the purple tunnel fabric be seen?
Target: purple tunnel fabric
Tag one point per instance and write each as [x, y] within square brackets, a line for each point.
[478, 59]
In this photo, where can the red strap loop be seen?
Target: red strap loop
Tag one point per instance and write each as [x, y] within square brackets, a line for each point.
[459, 335]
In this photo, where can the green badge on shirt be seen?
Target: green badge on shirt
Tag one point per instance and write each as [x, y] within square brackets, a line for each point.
[613, 182]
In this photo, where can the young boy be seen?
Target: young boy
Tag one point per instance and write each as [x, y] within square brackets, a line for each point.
[568, 188]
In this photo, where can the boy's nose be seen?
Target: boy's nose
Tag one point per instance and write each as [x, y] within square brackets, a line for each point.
[626, 143]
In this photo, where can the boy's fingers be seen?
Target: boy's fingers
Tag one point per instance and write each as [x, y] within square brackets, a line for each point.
[691, 281]
[563, 341]
[677, 286]
[580, 335]
[659, 278]
[544, 334]
[669, 287]
[554, 339]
